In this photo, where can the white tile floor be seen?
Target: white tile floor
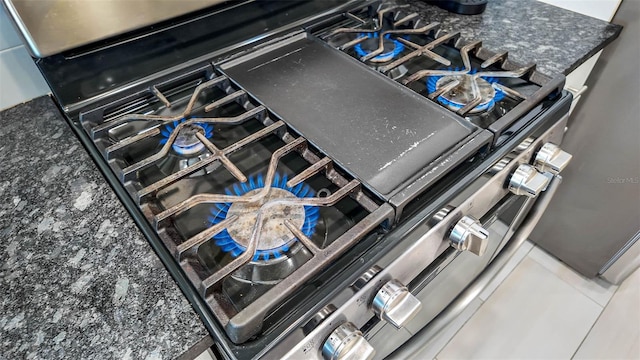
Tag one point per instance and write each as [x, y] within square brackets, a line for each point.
[538, 308]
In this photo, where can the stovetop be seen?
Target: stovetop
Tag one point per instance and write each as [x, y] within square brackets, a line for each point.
[265, 171]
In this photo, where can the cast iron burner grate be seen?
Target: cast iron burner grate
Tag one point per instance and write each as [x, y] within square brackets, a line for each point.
[464, 85]
[409, 51]
[284, 220]
[241, 214]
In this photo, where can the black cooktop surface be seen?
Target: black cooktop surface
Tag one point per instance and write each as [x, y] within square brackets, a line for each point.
[381, 131]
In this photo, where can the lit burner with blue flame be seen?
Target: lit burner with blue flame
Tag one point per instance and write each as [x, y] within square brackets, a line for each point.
[186, 142]
[391, 47]
[275, 238]
[462, 94]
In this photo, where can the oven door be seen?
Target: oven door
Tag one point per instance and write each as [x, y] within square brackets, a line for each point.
[456, 278]
[438, 268]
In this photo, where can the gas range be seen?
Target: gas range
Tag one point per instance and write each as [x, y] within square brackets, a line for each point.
[305, 186]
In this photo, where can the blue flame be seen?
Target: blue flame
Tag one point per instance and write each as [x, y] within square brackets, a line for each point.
[166, 131]
[219, 212]
[432, 87]
[397, 47]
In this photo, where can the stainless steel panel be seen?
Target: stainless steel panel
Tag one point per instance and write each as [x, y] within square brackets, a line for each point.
[52, 26]
[598, 211]
[624, 263]
[420, 340]
[387, 339]
[436, 295]
[450, 282]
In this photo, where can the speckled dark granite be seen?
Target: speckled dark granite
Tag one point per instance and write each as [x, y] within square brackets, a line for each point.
[77, 278]
[557, 40]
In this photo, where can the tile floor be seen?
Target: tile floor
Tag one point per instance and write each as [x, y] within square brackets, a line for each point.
[539, 308]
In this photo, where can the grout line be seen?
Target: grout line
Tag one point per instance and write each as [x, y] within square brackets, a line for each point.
[576, 273]
[580, 292]
[483, 302]
[573, 286]
[588, 332]
[11, 48]
[598, 318]
[614, 294]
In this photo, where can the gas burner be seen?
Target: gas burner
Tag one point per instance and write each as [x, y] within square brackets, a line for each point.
[276, 238]
[391, 47]
[378, 39]
[469, 87]
[187, 149]
[186, 142]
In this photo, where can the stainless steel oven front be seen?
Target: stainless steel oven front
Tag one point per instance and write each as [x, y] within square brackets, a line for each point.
[419, 286]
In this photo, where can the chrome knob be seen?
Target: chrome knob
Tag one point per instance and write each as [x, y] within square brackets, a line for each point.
[347, 343]
[394, 304]
[468, 234]
[551, 158]
[527, 181]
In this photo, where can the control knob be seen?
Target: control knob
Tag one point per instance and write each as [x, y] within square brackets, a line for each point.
[468, 234]
[527, 181]
[347, 343]
[551, 158]
[394, 304]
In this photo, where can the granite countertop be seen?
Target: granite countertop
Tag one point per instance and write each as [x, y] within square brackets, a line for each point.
[555, 39]
[78, 279]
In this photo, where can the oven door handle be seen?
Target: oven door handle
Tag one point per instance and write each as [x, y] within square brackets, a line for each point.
[422, 338]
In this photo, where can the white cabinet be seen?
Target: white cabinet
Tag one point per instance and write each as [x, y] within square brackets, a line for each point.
[576, 80]
[599, 9]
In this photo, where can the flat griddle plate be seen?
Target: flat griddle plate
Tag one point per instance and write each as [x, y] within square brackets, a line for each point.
[381, 132]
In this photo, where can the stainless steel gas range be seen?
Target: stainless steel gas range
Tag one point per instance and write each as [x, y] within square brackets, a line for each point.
[318, 177]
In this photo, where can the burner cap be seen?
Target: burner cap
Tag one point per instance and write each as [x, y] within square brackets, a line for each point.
[275, 238]
[462, 94]
[391, 47]
[274, 232]
[186, 142]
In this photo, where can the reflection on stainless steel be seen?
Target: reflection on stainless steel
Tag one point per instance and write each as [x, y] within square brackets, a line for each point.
[524, 145]
[440, 215]
[319, 317]
[47, 24]
[366, 277]
[421, 340]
